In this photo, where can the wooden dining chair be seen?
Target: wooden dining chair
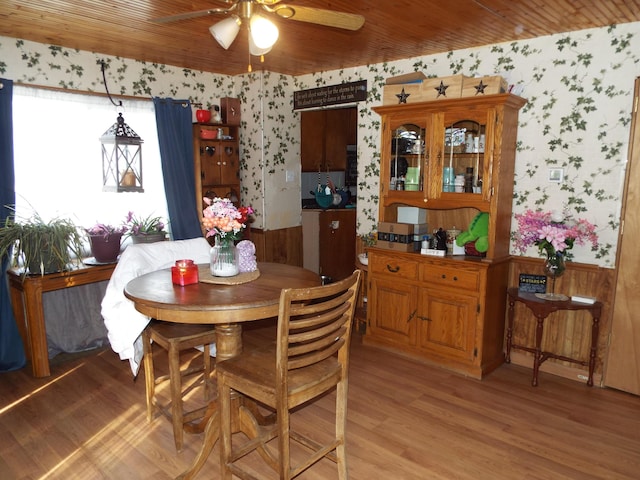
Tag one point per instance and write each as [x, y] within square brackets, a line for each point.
[175, 338]
[309, 358]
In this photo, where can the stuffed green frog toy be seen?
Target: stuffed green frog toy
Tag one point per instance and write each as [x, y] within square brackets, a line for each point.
[477, 232]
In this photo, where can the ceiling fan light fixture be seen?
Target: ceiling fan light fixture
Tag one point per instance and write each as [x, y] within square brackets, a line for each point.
[255, 50]
[226, 31]
[263, 32]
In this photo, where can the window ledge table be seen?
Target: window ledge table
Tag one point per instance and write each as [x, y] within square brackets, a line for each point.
[541, 309]
[26, 298]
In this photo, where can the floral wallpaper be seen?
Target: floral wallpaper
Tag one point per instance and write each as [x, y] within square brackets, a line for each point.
[579, 88]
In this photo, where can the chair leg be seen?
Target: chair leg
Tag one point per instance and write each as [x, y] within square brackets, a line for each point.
[341, 423]
[176, 395]
[207, 373]
[284, 443]
[224, 406]
[149, 376]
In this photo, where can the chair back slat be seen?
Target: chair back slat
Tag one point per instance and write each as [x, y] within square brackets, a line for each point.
[314, 324]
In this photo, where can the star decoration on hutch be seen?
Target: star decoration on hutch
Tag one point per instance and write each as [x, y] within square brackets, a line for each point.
[402, 97]
[441, 89]
[480, 88]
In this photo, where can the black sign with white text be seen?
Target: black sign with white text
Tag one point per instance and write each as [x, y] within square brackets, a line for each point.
[532, 283]
[332, 95]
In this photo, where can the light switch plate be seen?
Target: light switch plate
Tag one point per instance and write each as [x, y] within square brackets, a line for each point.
[290, 176]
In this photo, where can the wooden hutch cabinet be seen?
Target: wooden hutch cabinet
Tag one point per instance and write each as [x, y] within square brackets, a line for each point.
[448, 310]
[216, 162]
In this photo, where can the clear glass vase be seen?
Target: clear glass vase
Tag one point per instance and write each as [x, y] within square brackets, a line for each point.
[224, 259]
[554, 266]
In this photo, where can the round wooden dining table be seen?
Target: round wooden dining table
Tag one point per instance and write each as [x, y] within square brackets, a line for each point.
[226, 306]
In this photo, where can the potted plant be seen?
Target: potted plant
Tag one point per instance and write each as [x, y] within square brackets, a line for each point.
[369, 240]
[105, 241]
[41, 246]
[145, 229]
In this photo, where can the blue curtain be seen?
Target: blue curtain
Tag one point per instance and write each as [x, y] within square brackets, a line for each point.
[173, 120]
[11, 350]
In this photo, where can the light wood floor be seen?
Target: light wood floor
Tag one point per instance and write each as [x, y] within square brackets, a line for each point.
[406, 421]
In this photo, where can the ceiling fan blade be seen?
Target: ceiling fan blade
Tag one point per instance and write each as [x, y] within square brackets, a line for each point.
[199, 13]
[329, 18]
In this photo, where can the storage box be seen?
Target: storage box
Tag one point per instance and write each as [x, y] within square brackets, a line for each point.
[413, 77]
[437, 88]
[398, 247]
[420, 229]
[479, 86]
[395, 232]
[230, 110]
[441, 88]
[412, 215]
[410, 92]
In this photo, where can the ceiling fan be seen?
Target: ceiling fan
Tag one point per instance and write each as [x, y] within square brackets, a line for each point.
[262, 32]
[245, 9]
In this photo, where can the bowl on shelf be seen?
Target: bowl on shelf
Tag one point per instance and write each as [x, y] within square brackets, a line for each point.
[208, 134]
[363, 258]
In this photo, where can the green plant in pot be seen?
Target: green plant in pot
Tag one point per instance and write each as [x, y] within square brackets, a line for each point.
[145, 229]
[41, 246]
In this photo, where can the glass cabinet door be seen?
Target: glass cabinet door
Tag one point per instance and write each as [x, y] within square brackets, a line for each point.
[407, 157]
[464, 155]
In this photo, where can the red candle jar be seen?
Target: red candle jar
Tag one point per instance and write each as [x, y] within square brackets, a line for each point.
[185, 272]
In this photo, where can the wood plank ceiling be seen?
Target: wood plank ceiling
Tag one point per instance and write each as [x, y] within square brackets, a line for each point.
[392, 30]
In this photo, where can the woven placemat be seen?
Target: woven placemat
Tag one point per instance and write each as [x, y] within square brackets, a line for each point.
[204, 274]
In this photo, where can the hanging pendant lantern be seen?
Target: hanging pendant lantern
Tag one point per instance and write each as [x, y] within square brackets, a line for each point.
[121, 158]
[121, 153]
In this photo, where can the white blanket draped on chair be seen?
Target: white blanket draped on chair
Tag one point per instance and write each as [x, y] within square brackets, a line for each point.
[124, 323]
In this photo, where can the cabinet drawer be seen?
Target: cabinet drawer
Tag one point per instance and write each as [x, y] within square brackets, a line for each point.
[450, 277]
[393, 266]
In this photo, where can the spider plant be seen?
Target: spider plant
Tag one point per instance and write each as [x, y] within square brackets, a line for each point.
[41, 246]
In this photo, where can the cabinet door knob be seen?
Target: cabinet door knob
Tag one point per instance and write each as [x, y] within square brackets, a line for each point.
[424, 319]
[393, 270]
[413, 314]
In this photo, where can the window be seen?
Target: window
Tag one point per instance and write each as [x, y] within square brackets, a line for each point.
[58, 163]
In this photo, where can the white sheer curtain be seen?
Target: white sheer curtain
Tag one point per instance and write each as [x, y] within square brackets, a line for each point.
[58, 164]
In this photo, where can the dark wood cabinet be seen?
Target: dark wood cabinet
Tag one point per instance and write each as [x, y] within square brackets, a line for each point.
[329, 239]
[216, 162]
[325, 135]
